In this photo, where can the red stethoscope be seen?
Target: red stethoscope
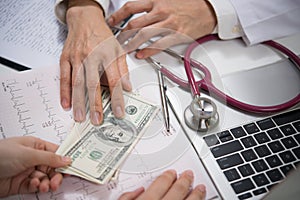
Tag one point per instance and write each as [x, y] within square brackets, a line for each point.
[202, 114]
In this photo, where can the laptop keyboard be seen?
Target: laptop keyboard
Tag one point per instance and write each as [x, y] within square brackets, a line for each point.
[256, 156]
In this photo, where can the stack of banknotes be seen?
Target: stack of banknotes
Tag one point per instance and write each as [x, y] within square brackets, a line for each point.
[98, 151]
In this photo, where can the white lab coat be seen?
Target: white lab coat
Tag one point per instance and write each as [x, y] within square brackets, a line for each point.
[257, 20]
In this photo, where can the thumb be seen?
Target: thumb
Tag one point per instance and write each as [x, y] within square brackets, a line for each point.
[39, 157]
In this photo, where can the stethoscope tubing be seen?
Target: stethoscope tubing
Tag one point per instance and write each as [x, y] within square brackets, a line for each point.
[206, 84]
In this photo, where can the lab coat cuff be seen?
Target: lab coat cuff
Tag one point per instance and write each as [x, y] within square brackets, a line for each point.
[61, 7]
[228, 26]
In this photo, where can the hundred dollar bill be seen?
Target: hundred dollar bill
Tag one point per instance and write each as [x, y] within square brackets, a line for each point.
[98, 151]
[77, 129]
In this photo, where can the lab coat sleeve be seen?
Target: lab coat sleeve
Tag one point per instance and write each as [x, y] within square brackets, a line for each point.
[61, 8]
[228, 26]
[267, 20]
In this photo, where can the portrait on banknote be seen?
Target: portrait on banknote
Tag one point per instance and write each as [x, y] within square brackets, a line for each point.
[117, 132]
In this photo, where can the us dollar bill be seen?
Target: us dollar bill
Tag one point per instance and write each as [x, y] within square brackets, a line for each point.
[98, 151]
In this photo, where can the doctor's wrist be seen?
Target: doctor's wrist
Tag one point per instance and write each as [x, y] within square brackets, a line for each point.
[84, 3]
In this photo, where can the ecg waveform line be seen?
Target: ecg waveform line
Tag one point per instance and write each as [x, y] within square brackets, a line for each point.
[50, 110]
[19, 106]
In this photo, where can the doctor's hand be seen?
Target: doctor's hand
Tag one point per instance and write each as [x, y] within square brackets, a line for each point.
[91, 53]
[174, 21]
[27, 166]
[167, 186]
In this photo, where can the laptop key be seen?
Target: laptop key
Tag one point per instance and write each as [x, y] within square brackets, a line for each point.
[289, 142]
[249, 155]
[232, 175]
[262, 151]
[297, 137]
[246, 170]
[211, 140]
[286, 169]
[245, 196]
[261, 180]
[275, 133]
[226, 148]
[260, 165]
[297, 126]
[262, 137]
[275, 146]
[238, 132]
[287, 130]
[273, 161]
[251, 128]
[287, 117]
[259, 191]
[225, 136]
[242, 185]
[265, 124]
[230, 161]
[274, 175]
[287, 157]
[296, 151]
[248, 142]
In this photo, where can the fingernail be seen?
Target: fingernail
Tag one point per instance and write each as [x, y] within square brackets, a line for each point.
[65, 104]
[172, 171]
[78, 115]
[139, 55]
[138, 190]
[119, 112]
[66, 159]
[127, 83]
[96, 118]
[201, 188]
[110, 21]
[189, 173]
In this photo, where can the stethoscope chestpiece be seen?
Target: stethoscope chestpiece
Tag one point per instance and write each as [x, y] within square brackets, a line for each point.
[201, 115]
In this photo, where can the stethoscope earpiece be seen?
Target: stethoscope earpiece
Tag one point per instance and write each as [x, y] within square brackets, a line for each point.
[201, 115]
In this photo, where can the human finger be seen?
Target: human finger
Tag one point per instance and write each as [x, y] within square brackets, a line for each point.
[27, 186]
[33, 185]
[44, 184]
[55, 181]
[36, 143]
[116, 91]
[123, 69]
[55, 178]
[168, 40]
[134, 26]
[125, 36]
[181, 187]
[160, 186]
[128, 9]
[65, 82]
[35, 157]
[143, 35]
[94, 91]
[143, 21]
[78, 91]
[198, 193]
[132, 195]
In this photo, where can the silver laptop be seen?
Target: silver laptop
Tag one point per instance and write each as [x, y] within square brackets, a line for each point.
[253, 160]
